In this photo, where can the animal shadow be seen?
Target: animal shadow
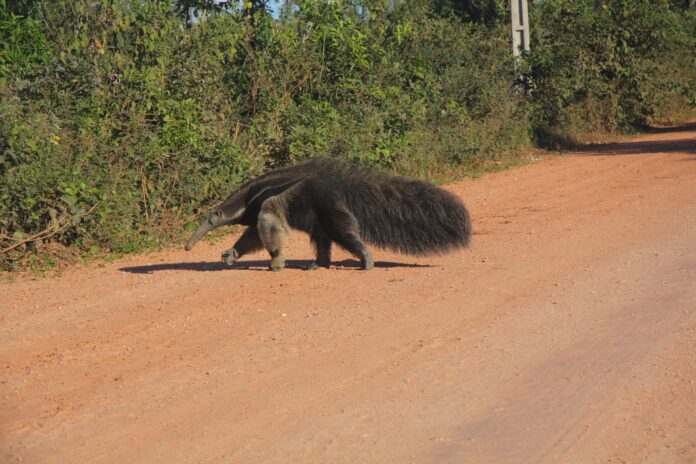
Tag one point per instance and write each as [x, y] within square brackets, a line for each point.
[258, 265]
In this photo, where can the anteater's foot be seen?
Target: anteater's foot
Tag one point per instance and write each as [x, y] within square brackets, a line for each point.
[326, 263]
[277, 262]
[230, 256]
[317, 264]
[366, 262]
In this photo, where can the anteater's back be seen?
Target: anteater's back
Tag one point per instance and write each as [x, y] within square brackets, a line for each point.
[399, 213]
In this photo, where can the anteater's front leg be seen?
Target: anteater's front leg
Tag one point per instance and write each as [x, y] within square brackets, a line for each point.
[273, 231]
[247, 243]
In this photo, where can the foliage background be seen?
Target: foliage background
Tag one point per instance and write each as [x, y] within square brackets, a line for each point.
[120, 120]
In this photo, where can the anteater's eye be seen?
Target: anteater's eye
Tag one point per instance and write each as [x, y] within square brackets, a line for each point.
[219, 213]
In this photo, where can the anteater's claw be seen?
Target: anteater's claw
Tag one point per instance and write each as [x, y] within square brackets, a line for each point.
[229, 257]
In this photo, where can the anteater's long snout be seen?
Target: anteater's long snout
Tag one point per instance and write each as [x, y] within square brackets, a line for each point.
[203, 229]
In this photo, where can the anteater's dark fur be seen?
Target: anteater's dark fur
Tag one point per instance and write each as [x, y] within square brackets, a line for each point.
[335, 201]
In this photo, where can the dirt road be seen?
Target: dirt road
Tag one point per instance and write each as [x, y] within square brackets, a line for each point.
[567, 333]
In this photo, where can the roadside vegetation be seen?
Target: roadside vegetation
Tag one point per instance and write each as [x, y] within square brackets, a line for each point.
[121, 121]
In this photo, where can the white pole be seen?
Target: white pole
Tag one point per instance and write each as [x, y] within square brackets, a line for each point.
[520, 27]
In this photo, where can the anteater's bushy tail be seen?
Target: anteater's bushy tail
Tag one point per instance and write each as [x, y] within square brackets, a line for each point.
[416, 218]
[402, 214]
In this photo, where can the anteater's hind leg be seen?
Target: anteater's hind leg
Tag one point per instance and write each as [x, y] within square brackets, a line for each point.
[274, 230]
[346, 232]
[247, 243]
[322, 245]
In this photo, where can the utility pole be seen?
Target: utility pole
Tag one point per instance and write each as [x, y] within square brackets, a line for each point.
[520, 27]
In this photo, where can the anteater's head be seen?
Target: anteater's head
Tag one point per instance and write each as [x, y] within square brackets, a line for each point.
[228, 213]
[242, 207]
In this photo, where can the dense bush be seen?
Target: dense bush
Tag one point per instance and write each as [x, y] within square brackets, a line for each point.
[120, 121]
[609, 64]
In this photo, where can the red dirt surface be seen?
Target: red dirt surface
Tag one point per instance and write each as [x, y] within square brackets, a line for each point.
[567, 333]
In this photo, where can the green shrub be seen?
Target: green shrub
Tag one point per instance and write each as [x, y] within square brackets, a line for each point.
[607, 65]
[120, 122]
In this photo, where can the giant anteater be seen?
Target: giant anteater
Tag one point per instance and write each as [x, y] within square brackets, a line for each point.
[334, 201]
